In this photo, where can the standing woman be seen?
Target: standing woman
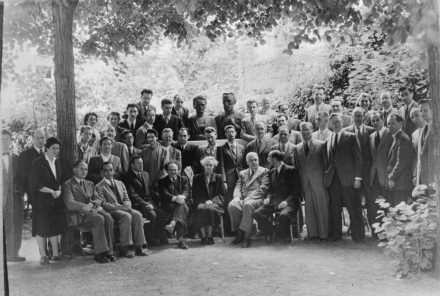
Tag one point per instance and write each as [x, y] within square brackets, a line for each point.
[208, 194]
[45, 185]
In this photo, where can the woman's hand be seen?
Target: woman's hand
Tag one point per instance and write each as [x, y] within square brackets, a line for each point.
[208, 202]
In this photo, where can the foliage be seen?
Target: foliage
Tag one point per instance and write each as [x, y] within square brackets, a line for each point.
[408, 231]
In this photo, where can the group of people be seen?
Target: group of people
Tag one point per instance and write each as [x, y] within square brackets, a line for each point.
[150, 175]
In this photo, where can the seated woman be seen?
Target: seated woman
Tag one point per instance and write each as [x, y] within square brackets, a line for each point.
[208, 194]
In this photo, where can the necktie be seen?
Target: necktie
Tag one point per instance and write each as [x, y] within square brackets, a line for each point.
[406, 112]
[258, 146]
[283, 147]
[41, 152]
[335, 144]
[252, 173]
[377, 141]
[87, 199]
[166, 120]
[113, 183]
[233, 150]
[385, 117]
[359, 134]
[306, 149]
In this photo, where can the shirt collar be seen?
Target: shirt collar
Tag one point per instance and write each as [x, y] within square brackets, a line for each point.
[394, 135]
[131, 122]
[38, 149]
[230, 144]
[77, 180]
[48, 159]
[105, 158]
[108, 181]
[382, 131]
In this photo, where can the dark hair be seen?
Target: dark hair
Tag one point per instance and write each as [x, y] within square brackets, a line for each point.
[105, 163]
[251, 101]
[403, 88]
[76, 164]
[125, 132]
[165, 102]
[114, 113]
[283, 104]
[229, 126]
[171, 162]
[282, 115]
[84, 128]
[132, 105]
[184, 129]
[6, 132]
[146, 91]
[105, 139]
[152, 131]
[210, 129]
[227, 95]
[86, 117]
[397, 116]
[276, 154]
[199, 97]
[377, 113]
[133, 158]
[426, 102]
[318, 86]
[51, 141]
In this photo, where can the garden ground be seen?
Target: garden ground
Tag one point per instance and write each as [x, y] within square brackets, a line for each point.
[305, 268]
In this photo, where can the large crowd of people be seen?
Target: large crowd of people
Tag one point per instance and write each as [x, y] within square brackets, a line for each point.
[149, 176]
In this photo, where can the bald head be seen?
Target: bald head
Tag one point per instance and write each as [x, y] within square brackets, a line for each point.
[38, 138]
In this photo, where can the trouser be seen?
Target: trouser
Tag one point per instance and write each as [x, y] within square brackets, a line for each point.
[157, 218]
[262, 216]
[317, 211]
[13, 219]
[102, 228]
[231, 181]
[130, 227]
[395, 197]
[178, 213]
[240, 212]
[345, 194]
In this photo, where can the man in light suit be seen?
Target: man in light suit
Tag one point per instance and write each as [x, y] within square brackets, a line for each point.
[84, 210]
[319, 105]
[310, 160]
[419, 122]
[118, 149]
[96, 162]
[114, 199]
[261, 145]
[179, 110]
[167, 120]
[248, 123]
[294, 135]
[285, 146]
[400, 162]
[342, 176]
[249, 193]
[173, 153]
[380, 143]
[232, 162]
[407, 95]
[425, 173]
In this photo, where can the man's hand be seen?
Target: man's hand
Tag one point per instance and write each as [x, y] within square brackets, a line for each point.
[357, 183]
[88, 207]
[391, 184]
[266, 202]
[180, 199]
[149, 207]
[282, 205]
[208, 202]
[226, 186]
[56, 193]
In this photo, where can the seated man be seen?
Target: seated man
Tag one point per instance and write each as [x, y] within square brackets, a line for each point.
[294, 135]
[261, 145]
[141, 134]
[249, 193]
[86, 213]
[96, 162]
[175, 194]
[114, 199]
[138, 185]
[284, 197]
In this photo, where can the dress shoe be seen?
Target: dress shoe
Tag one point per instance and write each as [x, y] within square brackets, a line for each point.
[112, 258]
[100, 258]
[203, 241]
[44, 260]
[126, 253]
[182, 245]
[238, 239]
[170, 228]
[61, 258]
[210, 241]
[140, 252]
[17, 259]
[246, 243]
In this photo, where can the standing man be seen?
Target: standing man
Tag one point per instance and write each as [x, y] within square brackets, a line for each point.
[284, 197]
[209, 150]
[281, 120]
[141, 133]
[96, 162]
[199, 121]
[407, 95]
[322, 121]
[249, 193]
[118, 149]
[380, 143]
[179, 110]
[400, 162]
[285, 146]
[292, 123]
[12, 201]
[336, 105]
[114, 199]
[319, 105]
[248, 123]
[132, 123]
[167, 120]
[188, 151]
[229, 116]
[261, 145]
[387, 106]
[425, 173]
[84, 210]
[145, 104]
[128, 139]
[310, 160]
[342, 177]
[173, 153]
[419, 122]
[84, 149]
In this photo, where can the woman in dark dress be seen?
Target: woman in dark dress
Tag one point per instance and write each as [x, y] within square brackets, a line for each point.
[208, 193]
[45, 184]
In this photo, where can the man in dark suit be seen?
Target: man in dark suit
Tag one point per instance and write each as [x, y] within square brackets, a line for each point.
[173, 153]
[12, 200]
[145, 104]
[407, 95]
[209, 150]
[400, 163]
[284, 197]
[141, 134]
[114, 199]
[174, 199]
[138, 185]
[261, 145]
[336, 105]
[179, 110]
[386, 102]
[281, 120]
[380, 143]
[319, 105]
[132, 123]
[285, 146]
[425, 173]
[96, 162]
[342, 176]
[248, 123]
[189, 151]
[84, 210]
[128, 139]
[166, 119]
[232, 162]
[229, 116]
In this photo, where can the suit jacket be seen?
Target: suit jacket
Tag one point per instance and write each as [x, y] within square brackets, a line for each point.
[214, 191]
[312, 111]
[138, 189]
[167, 190]
[175, 124]
[184, 115]
[87, 153]
[379, 158]
[425, 163]
[95, 167]
[175, 155]
[263, 150]
[284, 186]
[408, 125]
[202, 152]
[311, 167]
[252, 187]
[322, 136]
[346, 161]
[400, 162]
[248, 127]
[364, 144]
[120, 150]
[295, 137]
[189, 155]
[386, 114]
[223, 120]
[76, 198]
[230, 166]
[108, 199]
[142, 115]
[138, 124]
[140, 140]
[135, 151]
[195, 131]
[289, 153]
[24, 163]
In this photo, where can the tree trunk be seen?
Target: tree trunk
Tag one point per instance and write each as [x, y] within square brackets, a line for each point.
[65, 81]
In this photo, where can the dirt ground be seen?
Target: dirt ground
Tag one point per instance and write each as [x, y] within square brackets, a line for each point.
[305, 268]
